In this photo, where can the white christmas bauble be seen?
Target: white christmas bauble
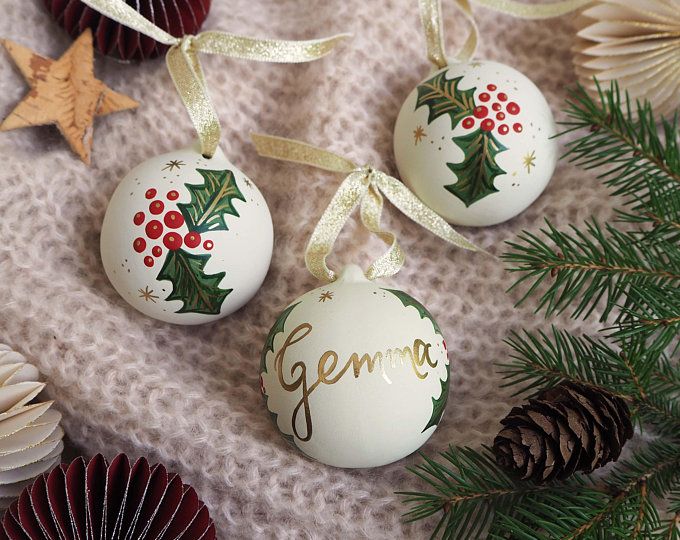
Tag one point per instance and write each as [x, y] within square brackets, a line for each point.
[473, 141]
[187, 239]
[355, 374]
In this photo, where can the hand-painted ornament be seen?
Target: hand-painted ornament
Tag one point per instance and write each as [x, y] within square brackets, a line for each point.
[187, 239]
[354, 373]
[473, 141]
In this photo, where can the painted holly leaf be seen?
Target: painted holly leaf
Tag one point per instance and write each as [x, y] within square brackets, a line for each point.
[211, 201]
[439, 404]
[478, 170]
[407, 300]
[443, 97]
[199, 292]
[269, 347]
[276, 329]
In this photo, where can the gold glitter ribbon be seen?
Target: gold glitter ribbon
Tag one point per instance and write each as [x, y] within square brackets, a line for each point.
[185, 68]
[430, 15]
[363, 187]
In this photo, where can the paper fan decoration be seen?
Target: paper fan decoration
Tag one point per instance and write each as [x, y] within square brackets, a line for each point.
[177, 17]
[637, 43]
[30, 435]
[108, 501]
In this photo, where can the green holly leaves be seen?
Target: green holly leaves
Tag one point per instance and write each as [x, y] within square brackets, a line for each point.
[439, 404]
[478, 170]
[408, 301]
[443, 97]
[211, 201]
[199, 292]
[276, 329]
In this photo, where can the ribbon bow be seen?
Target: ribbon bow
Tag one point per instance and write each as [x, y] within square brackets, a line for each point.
[185, 68]
[430, 15]
[365, 187]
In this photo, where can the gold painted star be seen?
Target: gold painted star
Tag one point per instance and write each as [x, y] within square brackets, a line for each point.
[418, 134]
[530, 160]
[326, 295]
[63, 92]
[175, 163]
[147, 294]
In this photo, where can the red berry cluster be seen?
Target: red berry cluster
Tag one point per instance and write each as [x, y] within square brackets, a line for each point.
[500, 109]
[171, 221]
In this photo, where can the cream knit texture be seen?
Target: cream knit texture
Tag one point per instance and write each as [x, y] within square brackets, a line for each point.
[189, 396]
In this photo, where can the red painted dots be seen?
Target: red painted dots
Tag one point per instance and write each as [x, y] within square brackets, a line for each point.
[500, 116]
[172, 241]
[513, 108]
[208, 244]
[148, 261]
[192, 239]
[480, 112]
[502, 96]
[156, 207]
[496, 107]
[484, 96]
[154, 229]
[468, 122]
[487, 125]
[139, 245]
[173, 195]
[157, 251]
[503, 129]
[150, 193]
[517, 127]
[139, 218]
[174, 219]
[491, 87]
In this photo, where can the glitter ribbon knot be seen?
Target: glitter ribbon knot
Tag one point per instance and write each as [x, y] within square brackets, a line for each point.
[185, 68]
[363, 187]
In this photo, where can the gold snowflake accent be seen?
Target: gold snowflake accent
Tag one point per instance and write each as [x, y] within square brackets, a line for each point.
[147, 294]
[418, 134]
[530, 160]
[175, 163]
[326, 295]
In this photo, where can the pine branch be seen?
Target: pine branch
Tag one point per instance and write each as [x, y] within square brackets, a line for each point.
[646, 163]
[637, 375]
[585, 267]
[652, 312]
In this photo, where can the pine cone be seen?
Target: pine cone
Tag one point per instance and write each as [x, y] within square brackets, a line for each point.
[566, 428]
[177, 17]
[107, 501]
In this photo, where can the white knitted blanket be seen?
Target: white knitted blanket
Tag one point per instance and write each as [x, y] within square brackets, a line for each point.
[190, 396]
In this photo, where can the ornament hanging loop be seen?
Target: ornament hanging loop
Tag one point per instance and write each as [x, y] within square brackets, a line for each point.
[363, 187]
[185, 68]
[430, 16]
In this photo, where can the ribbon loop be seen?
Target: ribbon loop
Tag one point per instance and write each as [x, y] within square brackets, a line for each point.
[185, 68]
[363, 186]
[430, 15]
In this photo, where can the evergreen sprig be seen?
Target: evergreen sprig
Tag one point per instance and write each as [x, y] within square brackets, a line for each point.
[629, 271]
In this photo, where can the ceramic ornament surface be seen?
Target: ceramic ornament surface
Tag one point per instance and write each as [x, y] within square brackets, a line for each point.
[355, 374]
[473, 141]
[187, 239]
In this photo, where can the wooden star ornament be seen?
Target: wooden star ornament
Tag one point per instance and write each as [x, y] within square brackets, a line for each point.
[64, 92]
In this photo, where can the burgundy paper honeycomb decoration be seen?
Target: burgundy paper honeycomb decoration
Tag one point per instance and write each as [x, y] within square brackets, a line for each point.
[98, 500]
[177, 17]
